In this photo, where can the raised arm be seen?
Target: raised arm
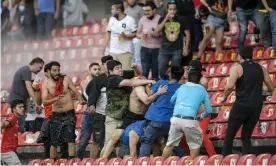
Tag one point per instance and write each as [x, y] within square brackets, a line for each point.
[148, 99]
[73, 89]
[161, 26]
[234, 75]
[134, 83]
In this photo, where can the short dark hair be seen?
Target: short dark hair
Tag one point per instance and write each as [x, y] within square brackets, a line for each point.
[246, 52]
[171, 3]
[119, 5]
[194, 77]
[46, 68]
[93, 64]
[104, 59]
[150, 4]
[16, 102]
[53, 63]
[112, 64]
[177, 72]
[36, 60]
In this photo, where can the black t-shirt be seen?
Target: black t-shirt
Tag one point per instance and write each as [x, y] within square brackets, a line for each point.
[272, 4]
[185, 7]
[247, 4]
[173, 32]
[5, 14]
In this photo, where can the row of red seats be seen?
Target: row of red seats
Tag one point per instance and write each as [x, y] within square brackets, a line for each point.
[233, 159]
[259, 53]
[219, 84]
[80, 42]
[216, 97]
[223, 69]
[63, 56]
[268, 113]
[261, 130]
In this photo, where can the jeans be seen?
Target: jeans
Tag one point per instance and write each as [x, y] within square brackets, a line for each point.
[45, 22]
[244, 16]
[30, 24]
[137, 44]
[149, 59]
[92, 123]
[22, 123]
[265, 29]
[153, 131]
[273, 28]
[166, 55]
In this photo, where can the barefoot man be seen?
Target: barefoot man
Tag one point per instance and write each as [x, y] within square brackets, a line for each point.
[63, 120]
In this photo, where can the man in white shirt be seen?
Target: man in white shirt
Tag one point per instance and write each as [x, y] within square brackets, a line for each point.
[120, 32]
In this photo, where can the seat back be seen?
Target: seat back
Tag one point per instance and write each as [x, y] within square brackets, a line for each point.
[218, 56]
[171, 160]
[223, 83]
[35, 162]
[231, 56]
[128, 161]
[223, 115]
[216, 98]
[268, 112]
[269, 53]
[218, 131]
[61, 162]
[258, 53]
[214, 160]
[86, 161]
[222, 70]
[74, 161]
[47, 162]
[272, 160]
[114, 161]
[262, 159]
[246, 159]
[100, 161]
[213, 84]
[157, 161]
[231, 160]
[142, 161]
[207, 57]
[184, 160]
[200, 160]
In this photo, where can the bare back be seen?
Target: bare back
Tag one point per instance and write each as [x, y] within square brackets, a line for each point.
[65, 103]
[136, 105]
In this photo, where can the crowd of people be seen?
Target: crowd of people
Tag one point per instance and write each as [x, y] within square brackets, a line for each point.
[166, 115]
[35, 19]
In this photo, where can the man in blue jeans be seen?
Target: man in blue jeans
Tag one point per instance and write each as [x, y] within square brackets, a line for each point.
[46, 11]
[246, 11]
[160, 112]
[173, 28]
[270, 6]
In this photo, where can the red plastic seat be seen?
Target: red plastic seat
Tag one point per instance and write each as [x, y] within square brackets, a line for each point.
[258, 132]
[171, 160]
[142, 161]
[128, 161]
[61, 162]
[6, 110]
[214, 160]
[114, 161]
[258, 53]
[28, 139]
[75, 31]
[95, 28]
[231, 159]
[46, 45]
[100, 161]
[271, 99]
[262, 159]
[230, 99]
[271, 133]
[34, 46]
[218, 131]
[264, 63]
[88, 42]
[223, 83]
[269, 53]
[222, 70]
[184, 160]
[84, 30]
[74, 161]
[272, 160]
[246, 159]
[227, 40]
[35, 162]
[86, 161]
[75, 79]
[207, 57]
[251, 27]
[79, 108]
[213, 84]
[238, 135]
[272, 66]
[268, 112]
[47, 162]
[58, 44]
[218, 56]
[200, 160]
[216, 98]
[223, 115]
[157, 161]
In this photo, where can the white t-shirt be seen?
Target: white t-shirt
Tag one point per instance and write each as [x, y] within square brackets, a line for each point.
[116, 27]
[31, 114]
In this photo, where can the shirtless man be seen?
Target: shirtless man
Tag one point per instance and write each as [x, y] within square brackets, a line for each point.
[63, 120]
[138, 105]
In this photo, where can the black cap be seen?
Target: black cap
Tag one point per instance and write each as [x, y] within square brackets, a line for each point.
[196, 65]
[246, 52]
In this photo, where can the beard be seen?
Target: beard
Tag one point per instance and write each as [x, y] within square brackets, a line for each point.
[55, 77]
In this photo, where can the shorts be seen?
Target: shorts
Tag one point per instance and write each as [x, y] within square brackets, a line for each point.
[44, 135]
[62, 128]
[217, 22]
[98, 127]
[130, 118]
[10, 158]
[189, 128]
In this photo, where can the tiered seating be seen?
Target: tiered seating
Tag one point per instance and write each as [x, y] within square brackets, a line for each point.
[233, 159]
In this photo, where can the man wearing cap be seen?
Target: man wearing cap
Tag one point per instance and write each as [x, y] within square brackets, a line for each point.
[187, 100]
[248, 78]
[207, 143]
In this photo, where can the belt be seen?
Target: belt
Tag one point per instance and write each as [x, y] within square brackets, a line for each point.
[186, 117]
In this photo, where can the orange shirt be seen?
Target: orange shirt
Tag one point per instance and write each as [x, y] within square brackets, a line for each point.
[47, 109]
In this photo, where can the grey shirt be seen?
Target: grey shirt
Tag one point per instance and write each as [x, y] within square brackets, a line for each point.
[18, 88]
[135, 12]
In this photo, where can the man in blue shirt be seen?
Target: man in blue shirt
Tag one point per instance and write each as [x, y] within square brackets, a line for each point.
[46, 11]
[161, 111]
[187, 100]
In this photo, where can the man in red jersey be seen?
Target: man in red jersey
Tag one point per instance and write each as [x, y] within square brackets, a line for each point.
[10, 129]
